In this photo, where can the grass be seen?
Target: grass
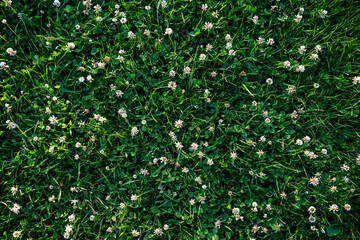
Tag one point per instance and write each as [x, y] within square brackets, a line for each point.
[260, 143]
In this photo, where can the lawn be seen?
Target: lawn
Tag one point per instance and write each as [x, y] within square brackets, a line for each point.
[233, 119]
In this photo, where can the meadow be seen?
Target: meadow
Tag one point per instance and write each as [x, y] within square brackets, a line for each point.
[179, 119]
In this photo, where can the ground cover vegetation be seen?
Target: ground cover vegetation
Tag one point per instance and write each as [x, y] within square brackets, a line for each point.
[234, 119]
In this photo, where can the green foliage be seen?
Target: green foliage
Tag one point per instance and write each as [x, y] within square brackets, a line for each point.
[119, 119]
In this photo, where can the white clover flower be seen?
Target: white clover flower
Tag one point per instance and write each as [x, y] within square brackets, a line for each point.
[66, 235]
[122, 112]
[16, 208]
[134, 197]
[215, 14]
[7, 3]
[204, 7]
[347, 207]
[333, 208]
[208, 26]
[14, 190]
[291, 89]
[227, 37]
[269, 81]
[300, 68]
[134, 131]
[52, 198]
[17, 234]
[312, 219]
[232, 52]
[297, 18]
[356, 80]
[235, 211]
[302, 49]
[178, 145]
[260, 153]
[135, 233]
[172, 85]
[11, 52]
[198, 180]
[163, 4]
[147, 8]
[51, 149]
[68, 228]
[131, 35]
[228, 46]
[260, 40]
[233, 155]
[119, 93]
[168, 31]
[184, 170]
[345, 167]
[123, 21]
[287, 64]
[187, 70]
[56, 3]
[120, 58]
[270, 41]
[217, 223]
[202, 57]
[158, 231]
[10, 124]
[70, 46]
[314, 181]
[101, 65]
[194, 146]
[311, 210]
[97, 8]
[53, 120]
[3, 65]
[147, 32]
[323, 13]
[306, 139]
[318, 48]
[314, 57]
[71, 218]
